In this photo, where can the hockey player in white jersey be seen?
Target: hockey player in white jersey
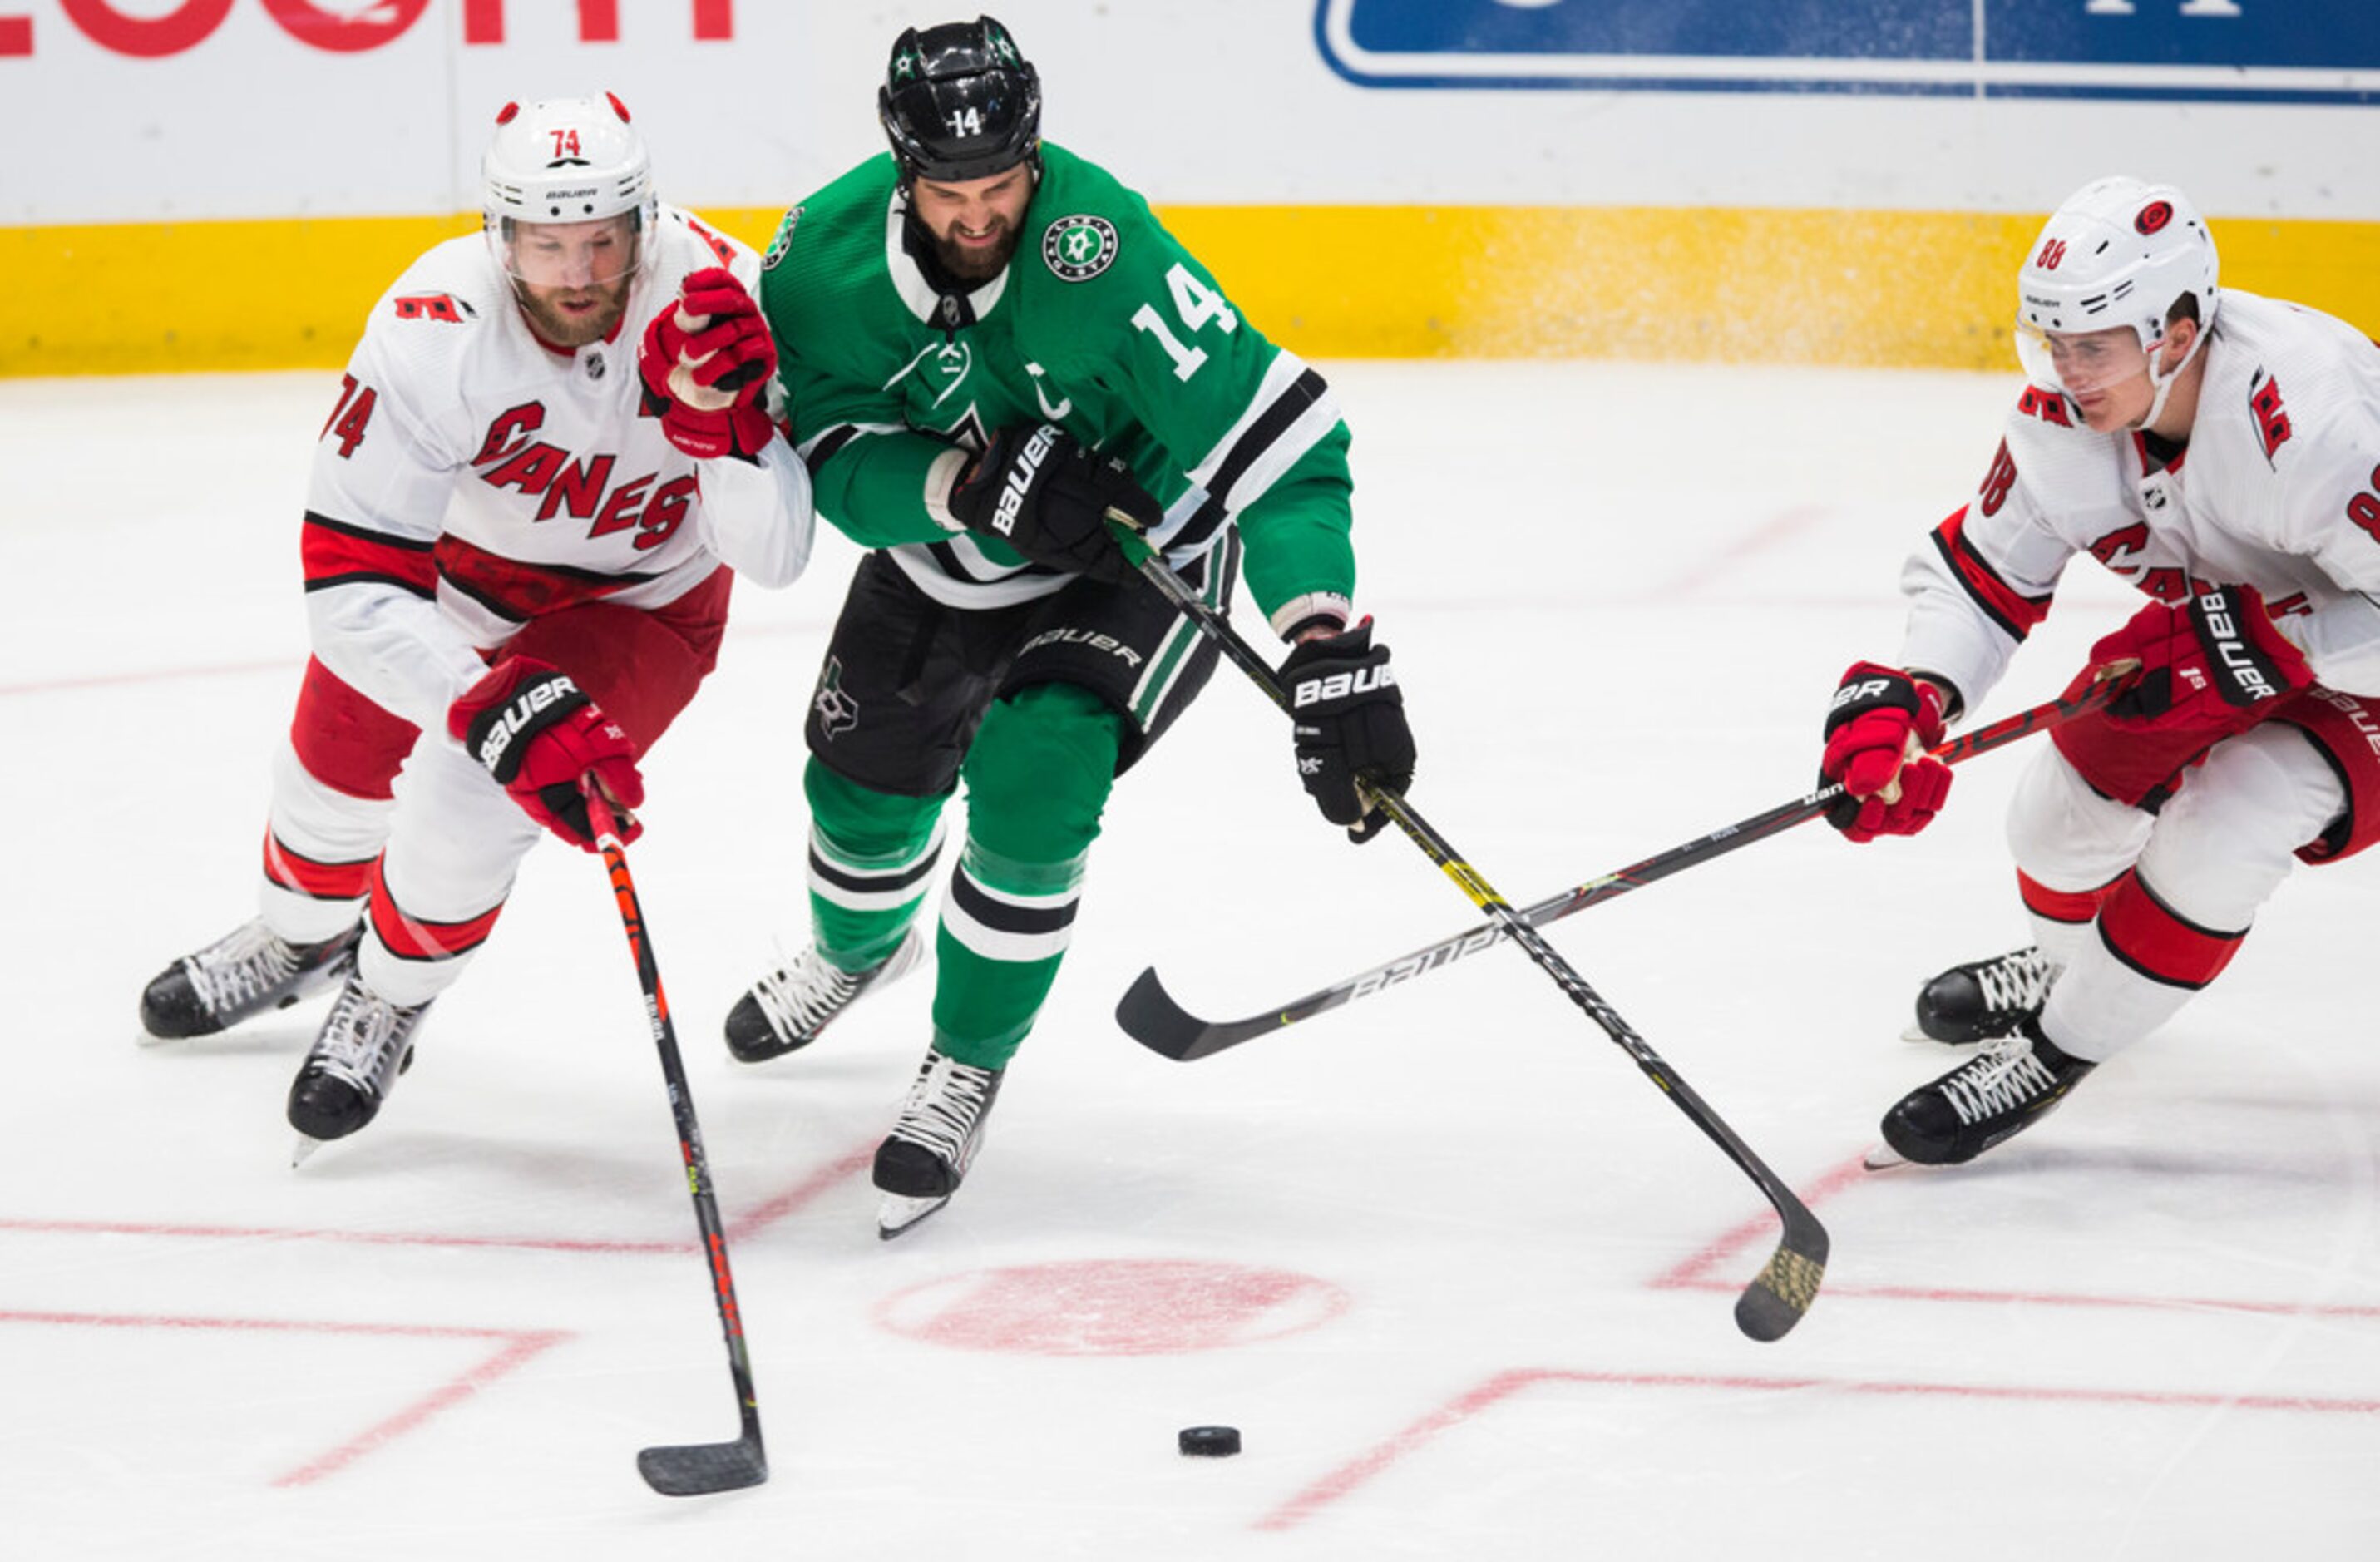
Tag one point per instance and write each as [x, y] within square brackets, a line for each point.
[2222, 452]
[549, 451]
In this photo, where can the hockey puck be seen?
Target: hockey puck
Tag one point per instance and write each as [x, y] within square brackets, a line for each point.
[1209, 1442]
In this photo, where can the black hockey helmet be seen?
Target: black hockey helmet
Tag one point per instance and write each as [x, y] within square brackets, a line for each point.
[960, 102]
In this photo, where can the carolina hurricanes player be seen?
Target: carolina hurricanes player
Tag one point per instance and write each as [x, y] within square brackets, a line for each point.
[2222, 452]
[548, 450]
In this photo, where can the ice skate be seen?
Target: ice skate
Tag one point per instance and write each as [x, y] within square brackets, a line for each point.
[1993, 1095]
[786, 1009]
[920, 1163]
[1983, 999]
[365, 1044]
[248, 971]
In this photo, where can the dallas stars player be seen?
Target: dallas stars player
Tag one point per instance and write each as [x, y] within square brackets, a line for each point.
[986, 343]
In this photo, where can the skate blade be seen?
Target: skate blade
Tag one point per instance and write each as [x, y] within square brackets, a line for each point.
[303, 1149]
[1916, 1033]
[898, 1212]
[1883, 1157]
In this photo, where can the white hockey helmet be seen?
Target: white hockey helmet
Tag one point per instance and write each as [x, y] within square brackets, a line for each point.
[2120, 251]
[566, 160]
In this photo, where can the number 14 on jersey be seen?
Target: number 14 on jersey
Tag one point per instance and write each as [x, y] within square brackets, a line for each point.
[1197, 305]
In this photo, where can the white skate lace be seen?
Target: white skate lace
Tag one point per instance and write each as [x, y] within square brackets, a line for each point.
[2003, 1077]
[799, 998]
[363, 1038]
[241, 967]
[2017, 982]
[944, 1108]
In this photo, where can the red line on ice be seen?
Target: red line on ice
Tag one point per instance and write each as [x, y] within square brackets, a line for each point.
[1692, 1275]
[792, 1200]
[1699, 1274]
[301, 1234]
[293, 663]
[516, 1351]
[515, 1348]
[1462, 1408]
[1776, 529]
[802, 1193]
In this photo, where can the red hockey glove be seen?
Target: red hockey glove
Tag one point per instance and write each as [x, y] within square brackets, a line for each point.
[706, 363]
[1878, 731]
[545, 740]
[1348, 718]
[2214, 662]
[1038, 490]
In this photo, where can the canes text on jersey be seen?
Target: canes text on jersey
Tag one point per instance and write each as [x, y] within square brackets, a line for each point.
[508, 458]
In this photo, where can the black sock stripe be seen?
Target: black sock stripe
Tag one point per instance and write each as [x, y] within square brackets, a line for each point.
[1006, 916]
[874, 884]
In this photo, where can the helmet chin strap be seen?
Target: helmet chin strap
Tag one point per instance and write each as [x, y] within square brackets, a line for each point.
[2163, 384]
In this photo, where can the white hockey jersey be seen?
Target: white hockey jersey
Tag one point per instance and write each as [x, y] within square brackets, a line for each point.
[472, 478]
[2278, 489]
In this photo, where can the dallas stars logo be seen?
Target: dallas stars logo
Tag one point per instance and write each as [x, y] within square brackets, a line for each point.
[1079, 247]
[837, 712]
[783, 241]
[907, 64]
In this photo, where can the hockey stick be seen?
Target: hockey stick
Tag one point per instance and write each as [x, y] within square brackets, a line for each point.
[689, 1469]
[1788, 1282]
[1151, 1017]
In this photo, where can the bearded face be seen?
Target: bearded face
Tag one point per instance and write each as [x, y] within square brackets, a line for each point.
[572, 279]
[975, 224]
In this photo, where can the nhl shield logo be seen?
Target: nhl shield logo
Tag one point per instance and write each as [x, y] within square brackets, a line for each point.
[1079, 247]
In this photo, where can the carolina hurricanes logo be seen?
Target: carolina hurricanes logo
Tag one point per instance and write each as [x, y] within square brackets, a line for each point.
[2153, 217]
[433, 306]
[2048, 405]
[2272, 417]
[2051, 253]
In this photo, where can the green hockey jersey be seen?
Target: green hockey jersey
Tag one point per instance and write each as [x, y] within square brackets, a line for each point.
[1101, 323]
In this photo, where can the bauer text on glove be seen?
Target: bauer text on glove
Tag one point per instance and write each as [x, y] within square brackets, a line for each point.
[2215, 660]
[1878, 728]
[1038, 490]
[545, 741]
[1348, 719]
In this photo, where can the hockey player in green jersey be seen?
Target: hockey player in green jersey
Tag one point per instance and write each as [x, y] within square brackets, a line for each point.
[986, 345]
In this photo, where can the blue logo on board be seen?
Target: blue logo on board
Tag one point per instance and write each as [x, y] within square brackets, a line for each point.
[2231, 51]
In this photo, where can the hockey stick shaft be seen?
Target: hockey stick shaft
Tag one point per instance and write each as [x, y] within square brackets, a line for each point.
[1150, 1016]
[1789, 1283]
[686, 1470]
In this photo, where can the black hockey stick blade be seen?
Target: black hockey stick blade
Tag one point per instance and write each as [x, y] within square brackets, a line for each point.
[694, 1470]
[1788, 1284]
[1150, 1016]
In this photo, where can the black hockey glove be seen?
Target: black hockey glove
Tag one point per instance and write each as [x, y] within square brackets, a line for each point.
[1038, 490]
[1349, 720]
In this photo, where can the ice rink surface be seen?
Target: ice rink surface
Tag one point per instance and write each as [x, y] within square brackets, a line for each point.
[1459, 1272]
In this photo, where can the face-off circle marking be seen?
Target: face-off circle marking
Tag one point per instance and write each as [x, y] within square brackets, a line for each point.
[1112, 1307]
